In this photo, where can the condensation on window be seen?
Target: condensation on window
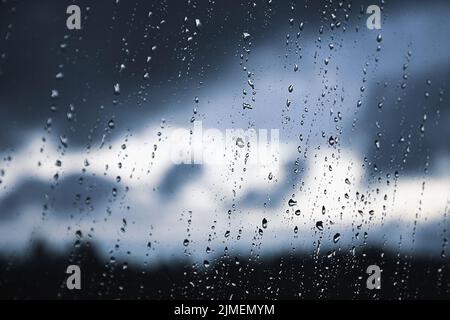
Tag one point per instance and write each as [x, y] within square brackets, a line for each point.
[224, 149]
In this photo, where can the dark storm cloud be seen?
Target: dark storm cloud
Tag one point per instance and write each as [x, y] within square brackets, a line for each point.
[75, 195]
[412, 123]
[176, 178]
[40, 46]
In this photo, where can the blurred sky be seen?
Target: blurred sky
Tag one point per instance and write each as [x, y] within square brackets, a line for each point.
[384, 182]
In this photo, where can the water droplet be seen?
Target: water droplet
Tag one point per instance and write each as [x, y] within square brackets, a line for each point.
[64, 140]
[331, 141]
[240, 142]
[185, 242]
[54, 94]
[246, 35]
[336, 237]
[264, 223]
[319, 225]
[111, 124]
[292, 202]
[291, 88]
[117, 89]
[377, 144]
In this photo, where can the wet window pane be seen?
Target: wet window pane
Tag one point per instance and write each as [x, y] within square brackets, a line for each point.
[224, 149]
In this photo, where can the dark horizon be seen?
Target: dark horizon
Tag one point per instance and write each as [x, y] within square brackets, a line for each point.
[302, 276]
